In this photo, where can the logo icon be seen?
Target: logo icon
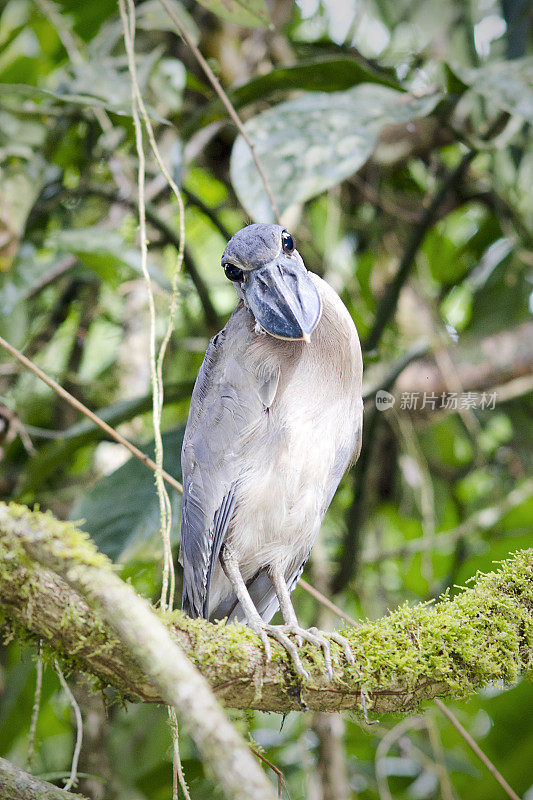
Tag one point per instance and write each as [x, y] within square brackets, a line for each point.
[384, 400]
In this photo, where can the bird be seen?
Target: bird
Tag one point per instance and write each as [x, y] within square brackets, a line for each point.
[275, 421]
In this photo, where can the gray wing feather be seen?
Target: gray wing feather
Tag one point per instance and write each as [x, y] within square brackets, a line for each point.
[227, 401]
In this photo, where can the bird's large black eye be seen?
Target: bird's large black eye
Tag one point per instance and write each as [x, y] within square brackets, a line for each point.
[233, 273]
[287, 242]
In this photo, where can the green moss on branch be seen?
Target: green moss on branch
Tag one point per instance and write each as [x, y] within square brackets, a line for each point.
[451, 648]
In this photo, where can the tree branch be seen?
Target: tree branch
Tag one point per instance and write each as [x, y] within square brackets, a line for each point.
[169, 236]
[15, 783]
[484, 634]
[146, 641]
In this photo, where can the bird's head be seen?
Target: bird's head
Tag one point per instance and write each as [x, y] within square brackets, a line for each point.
[270, 276]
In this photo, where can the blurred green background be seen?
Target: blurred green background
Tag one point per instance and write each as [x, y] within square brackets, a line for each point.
[397, 139]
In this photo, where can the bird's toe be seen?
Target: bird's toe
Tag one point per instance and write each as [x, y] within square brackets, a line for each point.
[278, 633]
[320, 640]
[345, 644]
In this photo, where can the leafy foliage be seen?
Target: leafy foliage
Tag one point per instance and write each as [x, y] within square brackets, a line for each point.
[359, 117]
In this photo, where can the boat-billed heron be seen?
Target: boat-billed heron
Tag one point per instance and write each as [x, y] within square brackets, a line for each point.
[275, 421]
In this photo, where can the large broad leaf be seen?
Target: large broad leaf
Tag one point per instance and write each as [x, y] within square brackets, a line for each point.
[122, 511]
[507, 84]
[247, 13]
[316, 141]
[332, 74]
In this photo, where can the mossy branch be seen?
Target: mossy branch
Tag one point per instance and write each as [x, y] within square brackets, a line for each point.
[451, 648]
[16, 784]
[68, 553]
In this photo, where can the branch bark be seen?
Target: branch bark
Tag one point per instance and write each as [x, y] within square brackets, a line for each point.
[16, 784]
[453, 648]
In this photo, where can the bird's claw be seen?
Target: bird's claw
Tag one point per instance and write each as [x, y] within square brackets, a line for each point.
[276, 632]
[342, 641]
[345, 644]
[314, 636]
[279, 632]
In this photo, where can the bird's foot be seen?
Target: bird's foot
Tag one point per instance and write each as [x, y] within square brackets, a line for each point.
[279, 633]
[314, 637]
[322, 639]
[342, 641]
[283, 633]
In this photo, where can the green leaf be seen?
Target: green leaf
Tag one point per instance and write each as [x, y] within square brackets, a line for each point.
[246, 13]
[508, 84]
[456, 307]
[454, 84]
[85, 100]
[316, 141]
[153, 16]
[122, 511]
[103, 251]
[321, 75]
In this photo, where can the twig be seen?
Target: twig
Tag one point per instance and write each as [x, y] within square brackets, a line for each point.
[73, 401]
[64, 265]
[417, 350]
[67, 38]
[327, 602]
[477, 750]
[382, 750]
[392, 292]
[73, 779]
[206, 211]
[276, 770]
[440, 761]
[169, 235]
[355, 513]
[217, 86]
